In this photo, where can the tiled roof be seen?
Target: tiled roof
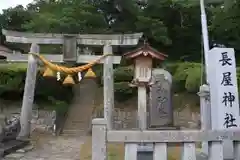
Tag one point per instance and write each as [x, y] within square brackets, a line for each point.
[145, 49]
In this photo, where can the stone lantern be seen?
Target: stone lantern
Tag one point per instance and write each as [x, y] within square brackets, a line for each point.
[143, 60]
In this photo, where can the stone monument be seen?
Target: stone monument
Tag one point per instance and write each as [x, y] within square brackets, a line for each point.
[159, 107]
[160, 96]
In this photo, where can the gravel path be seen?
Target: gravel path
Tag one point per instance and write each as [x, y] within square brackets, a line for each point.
[50, 148]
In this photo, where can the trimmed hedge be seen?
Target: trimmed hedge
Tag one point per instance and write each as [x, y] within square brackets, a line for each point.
[122, 77]
[187, 77]
[123, 74]
[12, 77]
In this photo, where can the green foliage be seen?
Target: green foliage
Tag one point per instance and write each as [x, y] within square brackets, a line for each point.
[122, 77]
[193, 80]
[171, 67]
[61, 107]
[186, 78]
[14, 18]
[123, 74]
[12, 77]
[173, 27]
[238, 78]
[123, 92]
[170, 26]
[75, 16]
[225, 23]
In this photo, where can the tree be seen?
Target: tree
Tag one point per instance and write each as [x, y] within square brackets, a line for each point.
[74, 16]
[225, 24]
[15, 18]
[171, 26]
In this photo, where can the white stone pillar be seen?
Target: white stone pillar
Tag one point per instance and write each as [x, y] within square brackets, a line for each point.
[108, 86]
[205, 110]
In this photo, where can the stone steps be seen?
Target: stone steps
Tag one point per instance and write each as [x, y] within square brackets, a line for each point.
[80, 113]
[74, 132]
[78, 125]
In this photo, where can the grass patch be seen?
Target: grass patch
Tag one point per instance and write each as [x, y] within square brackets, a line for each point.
[116, 151]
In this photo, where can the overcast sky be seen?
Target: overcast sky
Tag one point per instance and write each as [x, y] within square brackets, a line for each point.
[4, 4]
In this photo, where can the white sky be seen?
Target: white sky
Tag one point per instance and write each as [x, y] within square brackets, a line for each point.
[4, 4]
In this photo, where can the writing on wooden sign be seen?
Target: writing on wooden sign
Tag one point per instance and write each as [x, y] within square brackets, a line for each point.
[143, 69]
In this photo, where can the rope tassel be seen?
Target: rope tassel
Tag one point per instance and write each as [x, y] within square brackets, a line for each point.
[90, 74]
[68, 80]
[48, 73]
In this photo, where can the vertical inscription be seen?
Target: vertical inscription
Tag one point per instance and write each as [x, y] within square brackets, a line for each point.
[160, 108]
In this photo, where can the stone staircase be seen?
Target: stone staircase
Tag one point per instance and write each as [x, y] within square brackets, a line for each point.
[79, 117]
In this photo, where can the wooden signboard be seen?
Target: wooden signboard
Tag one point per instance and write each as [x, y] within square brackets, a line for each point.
[70, 49]
[143, 67]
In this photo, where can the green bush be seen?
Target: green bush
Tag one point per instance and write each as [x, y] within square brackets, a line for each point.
[171, 67]
[122, 77]
[181, 71]
[193, 80]
[238, 78]
[187, 77]
[123, 74]
[59, 106]
[12, 77]
[123, 92]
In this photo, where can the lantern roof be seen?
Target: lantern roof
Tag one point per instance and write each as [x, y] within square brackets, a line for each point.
[145, 50]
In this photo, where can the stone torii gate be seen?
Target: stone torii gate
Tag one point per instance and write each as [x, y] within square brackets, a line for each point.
[69, 42]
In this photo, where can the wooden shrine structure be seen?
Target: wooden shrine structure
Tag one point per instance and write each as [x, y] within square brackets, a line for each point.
[69, 42]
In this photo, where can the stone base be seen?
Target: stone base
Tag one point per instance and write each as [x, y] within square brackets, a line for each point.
[164, 128]
[12, 146]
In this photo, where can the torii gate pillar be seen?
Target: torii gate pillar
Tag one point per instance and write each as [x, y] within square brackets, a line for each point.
[28, 96]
